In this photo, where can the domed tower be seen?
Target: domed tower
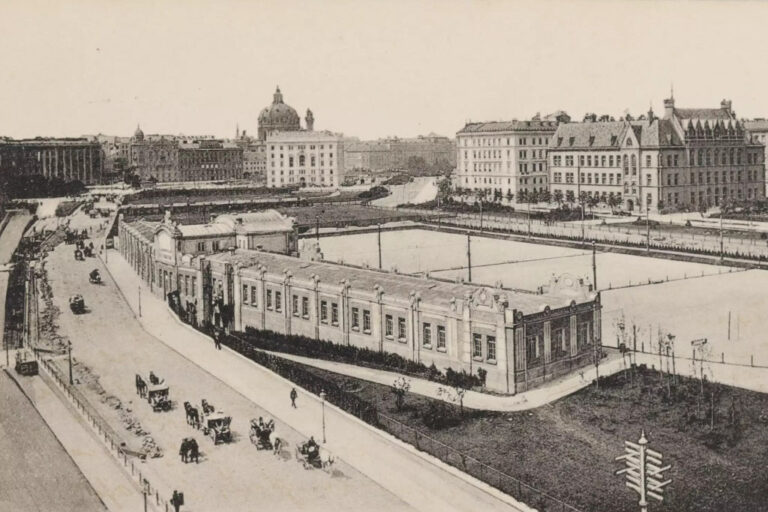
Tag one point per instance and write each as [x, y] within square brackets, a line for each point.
[278, 117]
[310, 121]
[138, 135]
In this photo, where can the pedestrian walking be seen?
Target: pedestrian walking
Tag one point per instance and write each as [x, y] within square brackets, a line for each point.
[294, 394]
[217, 340]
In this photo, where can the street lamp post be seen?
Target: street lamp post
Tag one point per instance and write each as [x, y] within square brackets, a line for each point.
[322, 398]
[145, 492]
[139, 300]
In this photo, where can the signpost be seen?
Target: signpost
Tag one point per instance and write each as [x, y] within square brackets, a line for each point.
[644, 471]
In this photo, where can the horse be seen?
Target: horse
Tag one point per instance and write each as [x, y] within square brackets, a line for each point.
[207, 408]
[193, 418]
[141, 386]
[153, 378]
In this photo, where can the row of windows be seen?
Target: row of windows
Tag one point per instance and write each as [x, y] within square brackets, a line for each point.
[500, 141]
[301, 146]
[495, 154]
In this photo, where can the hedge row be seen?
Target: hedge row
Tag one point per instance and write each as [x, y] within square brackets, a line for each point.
[318, 349]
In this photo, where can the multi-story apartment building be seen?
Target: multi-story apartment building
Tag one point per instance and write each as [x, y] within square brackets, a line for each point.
[305, 158]
[690, 158]
[503, 157]
[68, 159]
[758, 130]
[185, 159]
[396, 153]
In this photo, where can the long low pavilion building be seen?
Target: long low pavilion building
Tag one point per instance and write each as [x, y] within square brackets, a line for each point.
[520, 339]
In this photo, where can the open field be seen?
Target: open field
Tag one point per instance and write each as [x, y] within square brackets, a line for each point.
[516, 264]
[36, 472]
[688, 308]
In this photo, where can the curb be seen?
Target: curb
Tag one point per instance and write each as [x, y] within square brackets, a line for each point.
[469, 479]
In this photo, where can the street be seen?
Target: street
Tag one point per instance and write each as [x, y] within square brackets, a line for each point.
[231, 477]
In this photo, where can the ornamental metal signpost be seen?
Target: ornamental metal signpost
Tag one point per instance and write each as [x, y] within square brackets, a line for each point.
[644, 471]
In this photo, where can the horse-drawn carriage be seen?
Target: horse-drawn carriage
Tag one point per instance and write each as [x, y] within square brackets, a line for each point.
[216, 425]
[88, 251]
[94, 277]
[77, 304]
[311, 455]
[156, 391]
[263, 435]
[157, 396]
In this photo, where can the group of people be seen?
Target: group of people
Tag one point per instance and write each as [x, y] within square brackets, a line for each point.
[189, 450]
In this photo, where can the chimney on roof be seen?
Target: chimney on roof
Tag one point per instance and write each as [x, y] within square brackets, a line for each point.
[669, 107]
[726, 105]
[651, 116]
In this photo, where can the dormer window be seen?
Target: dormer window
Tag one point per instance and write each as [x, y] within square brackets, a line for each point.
[613, 140]
[571, 140]
[559, 141]
[591, 139]
[629, 142]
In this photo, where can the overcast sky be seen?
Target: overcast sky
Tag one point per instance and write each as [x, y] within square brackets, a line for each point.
[366, 68]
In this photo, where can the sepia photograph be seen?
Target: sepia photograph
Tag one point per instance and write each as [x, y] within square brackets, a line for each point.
[383, 256]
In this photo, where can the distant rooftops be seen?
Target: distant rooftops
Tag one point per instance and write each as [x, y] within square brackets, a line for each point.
[303, 135]
[509, 126]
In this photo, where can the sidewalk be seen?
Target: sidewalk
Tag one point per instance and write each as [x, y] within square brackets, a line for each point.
[116, 490]
[419, 480]
[553, 390]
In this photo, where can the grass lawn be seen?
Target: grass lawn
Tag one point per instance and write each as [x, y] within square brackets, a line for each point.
[567, 448]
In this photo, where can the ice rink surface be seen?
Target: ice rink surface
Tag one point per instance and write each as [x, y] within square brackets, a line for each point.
[688, 307]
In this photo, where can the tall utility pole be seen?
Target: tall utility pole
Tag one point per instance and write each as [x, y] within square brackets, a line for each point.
[317, 228]
[722, 256]
[647, 230]
[481, 214]
[469, 258]
[594, 266]
[139, 300]
[379, 237]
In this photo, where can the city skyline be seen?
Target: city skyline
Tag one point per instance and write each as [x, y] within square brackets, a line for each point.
[366, 69]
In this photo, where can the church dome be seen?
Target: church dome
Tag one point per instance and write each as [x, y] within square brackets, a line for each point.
[278, 117]
[138, 135]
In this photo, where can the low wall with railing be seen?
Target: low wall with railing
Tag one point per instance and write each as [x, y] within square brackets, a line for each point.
[104, 432]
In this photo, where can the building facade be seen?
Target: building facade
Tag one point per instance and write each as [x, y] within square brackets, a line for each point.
[521, 340]
[689, 159]
[67, 159]
[177, 159]
[397, 154]
[305, 159]
[503, 158]
[758, 130]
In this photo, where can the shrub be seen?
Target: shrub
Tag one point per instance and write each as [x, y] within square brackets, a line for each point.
[440, 415]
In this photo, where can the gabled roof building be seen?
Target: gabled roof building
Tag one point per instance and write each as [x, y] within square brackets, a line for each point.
[689, 159]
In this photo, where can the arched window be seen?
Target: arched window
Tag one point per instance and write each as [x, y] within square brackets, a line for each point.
[626, 164]
[629, 141]
[700, 157]
[634, 164]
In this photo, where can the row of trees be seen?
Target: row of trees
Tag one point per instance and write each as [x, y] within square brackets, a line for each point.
[525, 196]
[35, 185]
